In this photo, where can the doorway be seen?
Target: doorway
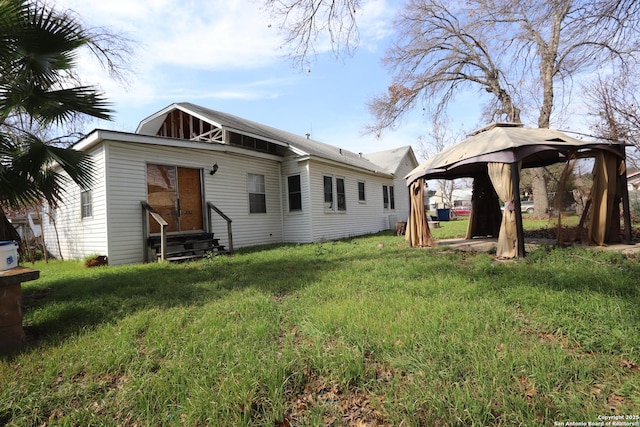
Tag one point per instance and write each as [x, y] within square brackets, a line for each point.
[176, 194]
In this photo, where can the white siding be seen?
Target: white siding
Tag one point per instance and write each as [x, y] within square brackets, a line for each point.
[360, 217]
[297, 224]
[227, 189]
[116, 228]
[126, 188]
[78, 236]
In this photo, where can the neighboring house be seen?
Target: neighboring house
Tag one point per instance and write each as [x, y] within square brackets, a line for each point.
[275, 186]
[397, 162]
[633, 181]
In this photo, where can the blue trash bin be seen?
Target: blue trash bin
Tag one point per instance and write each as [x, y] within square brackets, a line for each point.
[444, 214]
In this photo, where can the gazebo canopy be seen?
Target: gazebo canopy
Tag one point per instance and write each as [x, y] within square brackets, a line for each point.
[505, 143]
[494, 155]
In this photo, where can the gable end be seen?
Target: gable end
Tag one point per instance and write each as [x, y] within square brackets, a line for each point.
[181, 125]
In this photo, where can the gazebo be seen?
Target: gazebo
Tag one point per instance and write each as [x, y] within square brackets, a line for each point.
[494, 155]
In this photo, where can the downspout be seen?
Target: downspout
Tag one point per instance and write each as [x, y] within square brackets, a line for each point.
[283, 204]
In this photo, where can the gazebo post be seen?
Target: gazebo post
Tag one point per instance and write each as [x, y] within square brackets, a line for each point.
[626, 209]
[515, 179]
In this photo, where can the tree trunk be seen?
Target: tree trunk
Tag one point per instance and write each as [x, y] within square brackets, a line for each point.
[539, 187]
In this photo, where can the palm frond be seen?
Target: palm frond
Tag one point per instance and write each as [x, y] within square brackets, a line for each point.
[32, 170]
[46, 42]
[53, 106]
[37, 62]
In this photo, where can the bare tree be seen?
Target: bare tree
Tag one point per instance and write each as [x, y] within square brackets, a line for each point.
[439, 137]
[614, 104]
[524, 54]
[559, 40]
[518, 51]
[439, 52]
[308, 24]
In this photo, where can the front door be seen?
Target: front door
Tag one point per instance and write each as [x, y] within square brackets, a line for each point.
[176, 194]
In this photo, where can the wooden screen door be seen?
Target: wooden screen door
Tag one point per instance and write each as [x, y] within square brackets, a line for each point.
[175, 193]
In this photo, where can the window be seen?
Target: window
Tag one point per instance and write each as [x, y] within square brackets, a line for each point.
[342, 198]
[86, 204]
[388, 197]
[361, 195]
[257, 194]
[328, 192]
[295, 193]
[253, 143]
[385, 197]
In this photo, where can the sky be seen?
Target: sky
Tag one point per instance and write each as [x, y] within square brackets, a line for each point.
[227, 55]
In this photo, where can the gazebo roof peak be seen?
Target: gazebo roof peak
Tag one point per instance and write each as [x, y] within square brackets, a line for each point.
[496, 125]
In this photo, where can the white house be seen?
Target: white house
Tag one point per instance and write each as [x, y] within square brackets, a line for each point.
[633, 181]
[191, 163]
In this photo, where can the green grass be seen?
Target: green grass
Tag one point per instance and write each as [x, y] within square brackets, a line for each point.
[458, 227]
[366, 330]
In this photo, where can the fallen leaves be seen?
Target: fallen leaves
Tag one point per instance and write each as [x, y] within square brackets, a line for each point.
[529, 388]
[632, 366]
[353, 406]
[613, 401]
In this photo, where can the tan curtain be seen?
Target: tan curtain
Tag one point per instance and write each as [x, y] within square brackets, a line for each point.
[418, 233]
[500, 175]
[485, 216]
[604, 224]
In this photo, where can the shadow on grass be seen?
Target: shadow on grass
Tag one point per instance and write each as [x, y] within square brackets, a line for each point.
[608, 273]
[550, 275]
[56, 308]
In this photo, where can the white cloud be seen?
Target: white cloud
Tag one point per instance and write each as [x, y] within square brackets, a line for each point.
[173, 36]
[226, 50]
[375, 22]
[211, 35]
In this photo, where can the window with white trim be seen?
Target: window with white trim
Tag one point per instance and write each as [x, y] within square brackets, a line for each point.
[361, 193]
[328, 192]
[340, 193]
[334, 200]
[257, 193]
[295, 193]
[388, 197]
[86, 204]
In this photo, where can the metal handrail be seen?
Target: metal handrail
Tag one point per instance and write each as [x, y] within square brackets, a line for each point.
[146, 208]
[212, 207]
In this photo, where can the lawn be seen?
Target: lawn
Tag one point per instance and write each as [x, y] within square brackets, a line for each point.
[359, 332]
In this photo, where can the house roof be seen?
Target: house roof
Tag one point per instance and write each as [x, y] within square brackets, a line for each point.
[301, 145]
[504, 143]
[391, 160]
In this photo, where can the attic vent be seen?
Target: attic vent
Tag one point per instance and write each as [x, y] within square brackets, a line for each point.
[252, 143]
[556, 140]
